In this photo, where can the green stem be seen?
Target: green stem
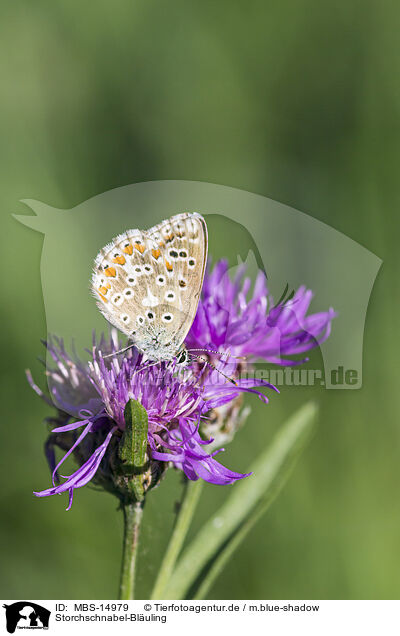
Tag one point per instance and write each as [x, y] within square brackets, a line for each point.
[190, 498]
[133, 513]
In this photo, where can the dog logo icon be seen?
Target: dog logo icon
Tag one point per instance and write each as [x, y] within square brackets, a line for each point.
[26, 615]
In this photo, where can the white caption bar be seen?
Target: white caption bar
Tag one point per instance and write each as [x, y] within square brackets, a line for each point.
[165, 617]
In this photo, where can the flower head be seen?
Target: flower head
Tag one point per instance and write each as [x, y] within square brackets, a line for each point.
[191, 413]
[90, 420]
[237, 328]
[254, 327]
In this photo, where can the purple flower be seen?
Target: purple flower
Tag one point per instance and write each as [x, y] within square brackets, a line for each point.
[91, 400]
[189, 412]
[227, 320]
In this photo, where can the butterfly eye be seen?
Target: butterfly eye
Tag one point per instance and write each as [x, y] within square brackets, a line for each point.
[183, 254]
[148, 269]
[192, 262]
[167, 317]
[173, 253]
[130, 280]
[128, 293]
[140, 320]
[161, 280]
[125, 318]
[169, 295]
[182, 357]
[138, 270]
[150, 315]
[182, 283]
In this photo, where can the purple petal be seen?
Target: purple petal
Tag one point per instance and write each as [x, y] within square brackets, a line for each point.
[81, 476]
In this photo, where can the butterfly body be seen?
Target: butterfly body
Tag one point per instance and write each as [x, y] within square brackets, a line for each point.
[155, 344]
[148, 283]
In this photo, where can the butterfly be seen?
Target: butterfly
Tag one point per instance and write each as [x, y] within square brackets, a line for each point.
[148, 284]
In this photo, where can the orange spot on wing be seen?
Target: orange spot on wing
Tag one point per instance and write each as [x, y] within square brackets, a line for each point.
[103, 298]
[120, 260]
[110, 271]
[140, 248]
[168, 266]
[103, 290]
[128, 250]
[156, 253]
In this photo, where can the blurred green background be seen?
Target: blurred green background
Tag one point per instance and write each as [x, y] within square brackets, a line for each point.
[298, 101]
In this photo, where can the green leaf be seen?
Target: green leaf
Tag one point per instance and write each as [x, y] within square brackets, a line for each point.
[187, 508]
[209, 551]
[132, 449]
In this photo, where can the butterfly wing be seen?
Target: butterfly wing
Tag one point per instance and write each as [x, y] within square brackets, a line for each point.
[118, 281]
[144, 281]
[182, 241]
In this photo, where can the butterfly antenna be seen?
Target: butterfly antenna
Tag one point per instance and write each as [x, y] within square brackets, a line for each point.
[197, 376]
[210, 364]
[220, 353]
